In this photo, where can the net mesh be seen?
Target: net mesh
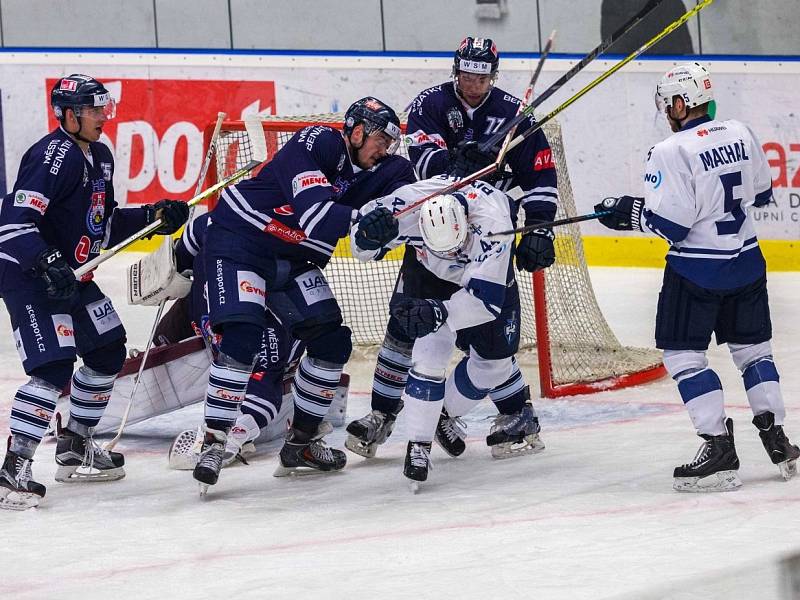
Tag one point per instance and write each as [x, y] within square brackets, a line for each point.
[582, 346]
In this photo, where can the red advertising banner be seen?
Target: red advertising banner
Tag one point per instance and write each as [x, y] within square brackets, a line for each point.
[157, 136]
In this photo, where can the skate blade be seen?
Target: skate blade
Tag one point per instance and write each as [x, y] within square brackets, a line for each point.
[203, 489]
[360, 447]
[82, 474]
[413, 486]
[723, 481]
[531, 445]
[788, 469]
[300, 471]
[13, 500]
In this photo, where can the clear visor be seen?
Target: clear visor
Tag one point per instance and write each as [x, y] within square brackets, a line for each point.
[661, 104]
[388, 139]
[445, 254]
[105, 109]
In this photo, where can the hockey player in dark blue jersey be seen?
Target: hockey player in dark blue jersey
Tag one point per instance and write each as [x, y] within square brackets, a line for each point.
[445, 125]
[59, 215]
[268, 240]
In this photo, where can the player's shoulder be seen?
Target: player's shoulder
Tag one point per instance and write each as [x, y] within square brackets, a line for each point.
[432, 97]
[317, 137]
[55, 153]
[397, 166]
[500, 97]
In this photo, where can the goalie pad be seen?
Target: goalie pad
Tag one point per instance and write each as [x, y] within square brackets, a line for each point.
[175, 376]
[155, 278]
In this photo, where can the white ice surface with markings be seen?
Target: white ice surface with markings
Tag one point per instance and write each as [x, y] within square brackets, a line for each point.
[594, 516]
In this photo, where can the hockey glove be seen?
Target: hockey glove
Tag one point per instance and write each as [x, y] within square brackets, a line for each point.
[173, 214]
[418, 317]
[468, 158]
[626, 213]
[58, 276]
[376, 229]
[536, 250]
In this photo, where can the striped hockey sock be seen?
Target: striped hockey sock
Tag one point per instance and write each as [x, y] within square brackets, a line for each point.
[263, 411]
[314, 388]
[509, 397]
[32, 409]
[389, 380]
[227, 382]
[89, 395]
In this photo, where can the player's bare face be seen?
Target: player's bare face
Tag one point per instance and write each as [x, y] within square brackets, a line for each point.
[473, 87]
[375, 147]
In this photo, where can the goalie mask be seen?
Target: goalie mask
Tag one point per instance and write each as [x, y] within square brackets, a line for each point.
[692, 82]
[443, 225]
[84, 95]
[376, 117]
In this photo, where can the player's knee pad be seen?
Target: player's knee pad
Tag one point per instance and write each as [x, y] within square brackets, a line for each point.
[744, 355]
[107, 360]
[331, 345]
[54, 375]
[241, 341]
[681, 364]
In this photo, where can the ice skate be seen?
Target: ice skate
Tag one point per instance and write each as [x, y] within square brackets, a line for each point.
[18, 490]
[209, 463]
[714, 468]
[81, 459]
[418, 463]
[303, 453]
[781, 451]
[369, 432]
[450, 434]
[516, 434]
[187, 445]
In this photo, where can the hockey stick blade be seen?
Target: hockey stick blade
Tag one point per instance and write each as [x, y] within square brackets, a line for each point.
[258, 141]
[586, 89]
[549, 224]
[153, 227]
[559, 83]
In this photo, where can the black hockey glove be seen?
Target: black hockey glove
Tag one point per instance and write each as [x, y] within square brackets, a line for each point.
[57, 274]
[417, 316]
[376, 229]
[468, 158]
[536, 250]
[626, 213]
[173, 214]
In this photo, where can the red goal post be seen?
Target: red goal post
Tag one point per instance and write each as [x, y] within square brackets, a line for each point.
[562, 325]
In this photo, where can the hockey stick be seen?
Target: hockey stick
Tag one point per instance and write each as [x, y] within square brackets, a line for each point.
[167, 240]
[549, 224]
[604, 45]
[550, 116]
[647, 45]
[526, 98]
[259, 143]
[109, 445]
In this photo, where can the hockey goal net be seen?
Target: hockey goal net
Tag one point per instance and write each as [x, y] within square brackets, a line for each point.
[576, 350]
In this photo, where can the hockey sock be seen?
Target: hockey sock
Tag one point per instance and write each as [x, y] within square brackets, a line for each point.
[89, 396]
[31, 411]
[227, 382]
[509, 397]
[423, 398]
[702, 394]
[314, 388]
[760, 377]
[262, 410]
[391, 374]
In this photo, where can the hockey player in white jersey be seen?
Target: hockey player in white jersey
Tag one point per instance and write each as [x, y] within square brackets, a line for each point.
[449, 235]
[699, 184]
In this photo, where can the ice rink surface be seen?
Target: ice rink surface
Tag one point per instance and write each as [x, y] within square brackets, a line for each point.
[594, 516]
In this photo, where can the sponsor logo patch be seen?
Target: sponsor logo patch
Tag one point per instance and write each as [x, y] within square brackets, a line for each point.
[97, 208]
[251, 287]
[284, 210]
[307, 180]
[702, 132]
[19, 345]
[543, 160]
[65, 332]
[103, 315]
[654, 179]
[82, 249]
[314, 287]
[31, 199]
[69, 85]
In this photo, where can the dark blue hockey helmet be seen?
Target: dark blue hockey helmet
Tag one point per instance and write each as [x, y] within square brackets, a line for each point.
[476, 55]
[78, 92]
[375, 116]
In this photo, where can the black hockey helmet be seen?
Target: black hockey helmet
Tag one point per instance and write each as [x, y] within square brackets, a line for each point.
[77, 91]
[476, 55]
[376, 116]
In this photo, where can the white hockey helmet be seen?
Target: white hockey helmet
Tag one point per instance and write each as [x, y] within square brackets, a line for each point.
[692, 82]
[443, 225]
